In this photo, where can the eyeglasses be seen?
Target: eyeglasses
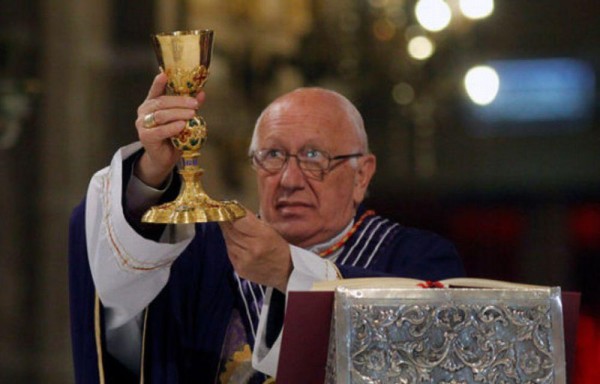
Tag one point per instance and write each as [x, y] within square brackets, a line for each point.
[313, 162]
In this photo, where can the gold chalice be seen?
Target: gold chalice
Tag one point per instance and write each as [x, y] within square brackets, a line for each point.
[185, 56]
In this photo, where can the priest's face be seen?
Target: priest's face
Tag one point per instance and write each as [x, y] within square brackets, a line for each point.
[304, 195]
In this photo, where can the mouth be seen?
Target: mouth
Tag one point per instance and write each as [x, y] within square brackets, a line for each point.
[290, 207]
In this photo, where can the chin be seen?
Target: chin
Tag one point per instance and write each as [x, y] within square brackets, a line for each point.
[295, 234]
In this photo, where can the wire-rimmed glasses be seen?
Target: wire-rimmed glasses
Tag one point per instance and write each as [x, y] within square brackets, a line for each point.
[312, 162]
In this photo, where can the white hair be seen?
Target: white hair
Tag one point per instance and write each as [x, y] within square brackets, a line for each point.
[352, 114]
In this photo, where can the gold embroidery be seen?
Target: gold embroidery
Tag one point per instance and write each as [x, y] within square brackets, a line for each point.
[238, 360]
[98, 337]
[125, 260]
[143, 356]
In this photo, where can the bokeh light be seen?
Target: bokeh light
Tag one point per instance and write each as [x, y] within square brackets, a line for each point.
[482, 84]
[420, 47]
[476, 9]
[433, 15]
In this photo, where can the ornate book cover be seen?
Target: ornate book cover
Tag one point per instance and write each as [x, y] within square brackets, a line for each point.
[447, 336]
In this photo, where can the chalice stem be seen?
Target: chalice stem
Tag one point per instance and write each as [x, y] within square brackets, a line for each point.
[192, 191]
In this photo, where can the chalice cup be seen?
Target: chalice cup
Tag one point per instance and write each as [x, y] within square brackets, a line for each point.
[184, 56]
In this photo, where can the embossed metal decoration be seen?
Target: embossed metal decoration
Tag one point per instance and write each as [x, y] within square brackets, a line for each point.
[185, 57]
[448, 336]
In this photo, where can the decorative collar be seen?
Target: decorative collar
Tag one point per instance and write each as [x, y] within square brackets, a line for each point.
[337, 245]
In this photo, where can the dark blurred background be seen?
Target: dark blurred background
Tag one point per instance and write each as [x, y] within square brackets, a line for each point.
[507, 167]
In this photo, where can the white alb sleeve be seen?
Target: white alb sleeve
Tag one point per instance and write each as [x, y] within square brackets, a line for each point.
[307, 269]
[129, 271]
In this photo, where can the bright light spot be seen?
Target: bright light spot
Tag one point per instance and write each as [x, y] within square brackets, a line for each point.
[433, 15]
[403, 93]
[482, 84]
[420, 47]
[476, 9]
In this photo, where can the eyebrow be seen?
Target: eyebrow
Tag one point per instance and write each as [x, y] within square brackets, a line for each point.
[302, 149]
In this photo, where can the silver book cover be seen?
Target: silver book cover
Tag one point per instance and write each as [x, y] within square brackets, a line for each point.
[447, 336]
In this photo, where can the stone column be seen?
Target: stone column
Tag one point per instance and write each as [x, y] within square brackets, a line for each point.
[73, 139]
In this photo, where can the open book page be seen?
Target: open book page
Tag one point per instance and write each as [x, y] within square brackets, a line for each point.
[403, 282]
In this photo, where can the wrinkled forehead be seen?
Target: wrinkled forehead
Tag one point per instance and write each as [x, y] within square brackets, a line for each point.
[309, 118]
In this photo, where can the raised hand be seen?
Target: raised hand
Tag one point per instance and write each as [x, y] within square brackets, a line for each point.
[159, 118]
[258, 253]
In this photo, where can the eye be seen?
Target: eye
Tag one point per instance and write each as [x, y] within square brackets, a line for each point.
[313, 154]
[272, 154]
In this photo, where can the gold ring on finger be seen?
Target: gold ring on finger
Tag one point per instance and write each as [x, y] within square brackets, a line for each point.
[149, 121]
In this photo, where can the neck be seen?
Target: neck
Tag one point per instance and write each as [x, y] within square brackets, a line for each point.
[320, 247]
[334, 245]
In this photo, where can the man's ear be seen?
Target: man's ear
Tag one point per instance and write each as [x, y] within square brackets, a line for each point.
[365, 170]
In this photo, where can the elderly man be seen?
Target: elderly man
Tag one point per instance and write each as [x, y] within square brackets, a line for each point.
[184, 303]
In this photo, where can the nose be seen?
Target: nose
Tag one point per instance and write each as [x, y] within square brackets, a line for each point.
[292, 177]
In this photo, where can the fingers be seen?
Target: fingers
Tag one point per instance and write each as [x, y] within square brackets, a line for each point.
[200, 97]
[168, 102]
[242, 232]
[160, 132]
[164, 116]
[166, 110]
[257, 252]
[157, 101]
[249, 225]
[158, 86]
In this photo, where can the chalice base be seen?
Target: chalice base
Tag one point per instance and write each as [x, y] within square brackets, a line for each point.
[193, 205]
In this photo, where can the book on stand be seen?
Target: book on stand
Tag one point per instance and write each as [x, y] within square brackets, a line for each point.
[355, 330]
